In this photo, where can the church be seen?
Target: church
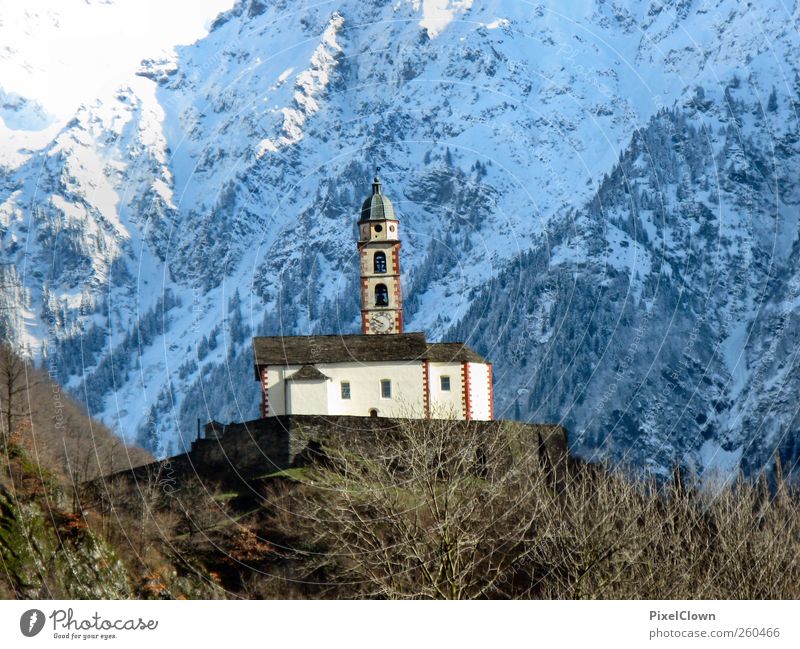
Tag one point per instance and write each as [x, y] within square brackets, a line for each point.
[382, 372]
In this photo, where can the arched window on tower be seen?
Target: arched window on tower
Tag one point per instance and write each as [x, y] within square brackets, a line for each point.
[379, 262]
[381, 295]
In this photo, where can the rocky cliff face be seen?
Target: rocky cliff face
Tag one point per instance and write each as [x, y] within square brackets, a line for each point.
[602, 199]
[42, 562]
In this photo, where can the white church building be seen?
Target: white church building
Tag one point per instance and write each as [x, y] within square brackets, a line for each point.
[381, 372]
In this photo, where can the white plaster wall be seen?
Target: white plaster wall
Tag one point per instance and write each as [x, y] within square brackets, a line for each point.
[369, 231]
[479, 391]
[275, 392]
[365, 388]
[446, 405]
[308, 397]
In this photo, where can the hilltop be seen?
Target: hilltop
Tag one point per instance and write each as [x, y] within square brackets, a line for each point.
[411, 509]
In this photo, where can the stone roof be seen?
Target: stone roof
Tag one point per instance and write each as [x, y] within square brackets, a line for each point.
[356, 348]
[377, 207]
[447, 352]
[307, 373]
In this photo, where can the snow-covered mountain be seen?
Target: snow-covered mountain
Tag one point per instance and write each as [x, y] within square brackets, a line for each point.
[57, 54]
[600, 196]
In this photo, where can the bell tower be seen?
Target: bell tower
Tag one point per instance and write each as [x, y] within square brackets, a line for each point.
[379, 251]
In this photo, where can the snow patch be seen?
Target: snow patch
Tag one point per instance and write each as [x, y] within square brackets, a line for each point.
[438, 14]
[733, 352]
[497, 23]
[284, 75]
[719, 467]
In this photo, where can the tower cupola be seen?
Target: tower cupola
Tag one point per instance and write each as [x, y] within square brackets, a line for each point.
[378, 206]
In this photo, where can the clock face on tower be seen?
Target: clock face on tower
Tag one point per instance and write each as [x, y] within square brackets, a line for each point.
[382, 322]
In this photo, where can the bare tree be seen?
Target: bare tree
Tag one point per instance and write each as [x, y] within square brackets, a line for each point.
[13, 385]
[442, 509]
[428, 509]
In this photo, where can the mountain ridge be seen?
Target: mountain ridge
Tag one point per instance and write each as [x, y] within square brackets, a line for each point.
[213, 197]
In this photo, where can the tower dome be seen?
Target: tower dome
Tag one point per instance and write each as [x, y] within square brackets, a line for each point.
[377, 207]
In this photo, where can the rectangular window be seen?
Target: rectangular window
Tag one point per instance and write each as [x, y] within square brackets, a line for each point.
[446, 384]
[386, 389]
[345, 389]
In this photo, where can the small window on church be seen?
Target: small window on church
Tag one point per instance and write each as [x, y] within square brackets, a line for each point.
[445, 384]
[345, 389]
[381, 295]
[386, 389]
[380, 262]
